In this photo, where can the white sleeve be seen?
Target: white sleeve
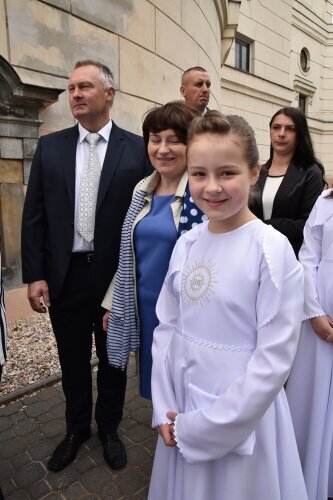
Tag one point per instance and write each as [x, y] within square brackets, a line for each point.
[161, 383]
[213, 433]
[167, 310]
[310, 257]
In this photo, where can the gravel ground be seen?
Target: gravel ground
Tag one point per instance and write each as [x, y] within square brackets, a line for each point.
[31, 353]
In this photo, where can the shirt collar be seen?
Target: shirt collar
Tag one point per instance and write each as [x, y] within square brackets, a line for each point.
[104, 132]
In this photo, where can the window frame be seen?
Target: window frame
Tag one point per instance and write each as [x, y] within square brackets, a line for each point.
[304, 60]
[302, 102]
[241, 44]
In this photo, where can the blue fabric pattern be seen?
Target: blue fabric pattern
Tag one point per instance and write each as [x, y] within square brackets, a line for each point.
[190, 215]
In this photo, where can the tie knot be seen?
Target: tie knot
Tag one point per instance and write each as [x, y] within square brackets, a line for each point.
[92, 139]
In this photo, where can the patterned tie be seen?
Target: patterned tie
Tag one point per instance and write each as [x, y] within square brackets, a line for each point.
[88, 190]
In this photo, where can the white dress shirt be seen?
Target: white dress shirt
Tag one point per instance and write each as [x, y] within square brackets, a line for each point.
[271, 187]
[82, 151]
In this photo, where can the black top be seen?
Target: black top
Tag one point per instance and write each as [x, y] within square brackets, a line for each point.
[293, 201]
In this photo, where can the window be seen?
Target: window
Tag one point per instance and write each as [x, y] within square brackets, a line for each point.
[304, 60]
[302, 98]
[242, 55]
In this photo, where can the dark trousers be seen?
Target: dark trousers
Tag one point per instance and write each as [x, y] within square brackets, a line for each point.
[75, 315]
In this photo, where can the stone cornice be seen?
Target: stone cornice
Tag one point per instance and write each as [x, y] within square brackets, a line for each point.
[20, 99]
[228, 12]
[311, 24]
[255, 86]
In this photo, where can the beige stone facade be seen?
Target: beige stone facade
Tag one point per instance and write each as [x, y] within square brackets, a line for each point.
[277, 31]
[146, 43]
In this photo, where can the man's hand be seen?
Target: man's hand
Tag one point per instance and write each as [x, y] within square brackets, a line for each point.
[105, 321]
[38, 295]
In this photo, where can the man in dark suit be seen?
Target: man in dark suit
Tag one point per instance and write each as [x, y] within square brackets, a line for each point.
[195, 88]
[69, 272]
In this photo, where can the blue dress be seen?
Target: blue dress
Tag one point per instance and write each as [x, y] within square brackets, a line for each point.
[154, 238]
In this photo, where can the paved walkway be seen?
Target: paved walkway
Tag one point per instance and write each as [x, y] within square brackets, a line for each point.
[17, 304]
[30, 428]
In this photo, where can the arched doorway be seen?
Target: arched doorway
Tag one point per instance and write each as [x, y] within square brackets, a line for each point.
[19, 131]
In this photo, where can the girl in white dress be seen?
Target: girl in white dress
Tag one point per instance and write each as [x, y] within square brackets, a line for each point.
[230, 313]
[310, 386]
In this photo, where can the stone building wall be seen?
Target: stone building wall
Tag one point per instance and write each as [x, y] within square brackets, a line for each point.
[146, 43]
[277, 32]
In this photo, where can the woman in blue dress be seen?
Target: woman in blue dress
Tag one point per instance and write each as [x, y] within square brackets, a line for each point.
[160, 211]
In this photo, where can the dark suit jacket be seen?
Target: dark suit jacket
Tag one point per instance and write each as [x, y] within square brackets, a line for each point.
[48, 215]
[293, 202]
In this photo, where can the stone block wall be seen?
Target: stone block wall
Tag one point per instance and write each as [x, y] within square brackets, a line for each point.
[277, 32]
[146, 43]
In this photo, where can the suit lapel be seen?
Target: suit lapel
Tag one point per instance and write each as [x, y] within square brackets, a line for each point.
[289, 181]
[113, 154]
[68, 154]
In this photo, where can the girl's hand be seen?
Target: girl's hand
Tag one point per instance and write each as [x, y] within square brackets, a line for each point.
[323, 327]
[167, 430]
[172, 416]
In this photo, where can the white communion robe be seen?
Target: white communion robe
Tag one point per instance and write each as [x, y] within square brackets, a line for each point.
[230, 313]
[310, 386]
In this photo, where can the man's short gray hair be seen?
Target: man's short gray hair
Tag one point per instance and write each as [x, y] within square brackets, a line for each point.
[106, 74]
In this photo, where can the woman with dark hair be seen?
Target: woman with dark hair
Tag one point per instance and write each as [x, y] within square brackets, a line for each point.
[160, 211]
[292, 179]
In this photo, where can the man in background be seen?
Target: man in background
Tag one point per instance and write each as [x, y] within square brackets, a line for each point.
[195, 88]
[79, 190]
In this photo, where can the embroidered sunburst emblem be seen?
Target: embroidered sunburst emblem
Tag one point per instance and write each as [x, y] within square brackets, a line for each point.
[198, 283]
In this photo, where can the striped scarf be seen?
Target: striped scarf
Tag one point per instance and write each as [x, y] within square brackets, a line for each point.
[123, 333]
